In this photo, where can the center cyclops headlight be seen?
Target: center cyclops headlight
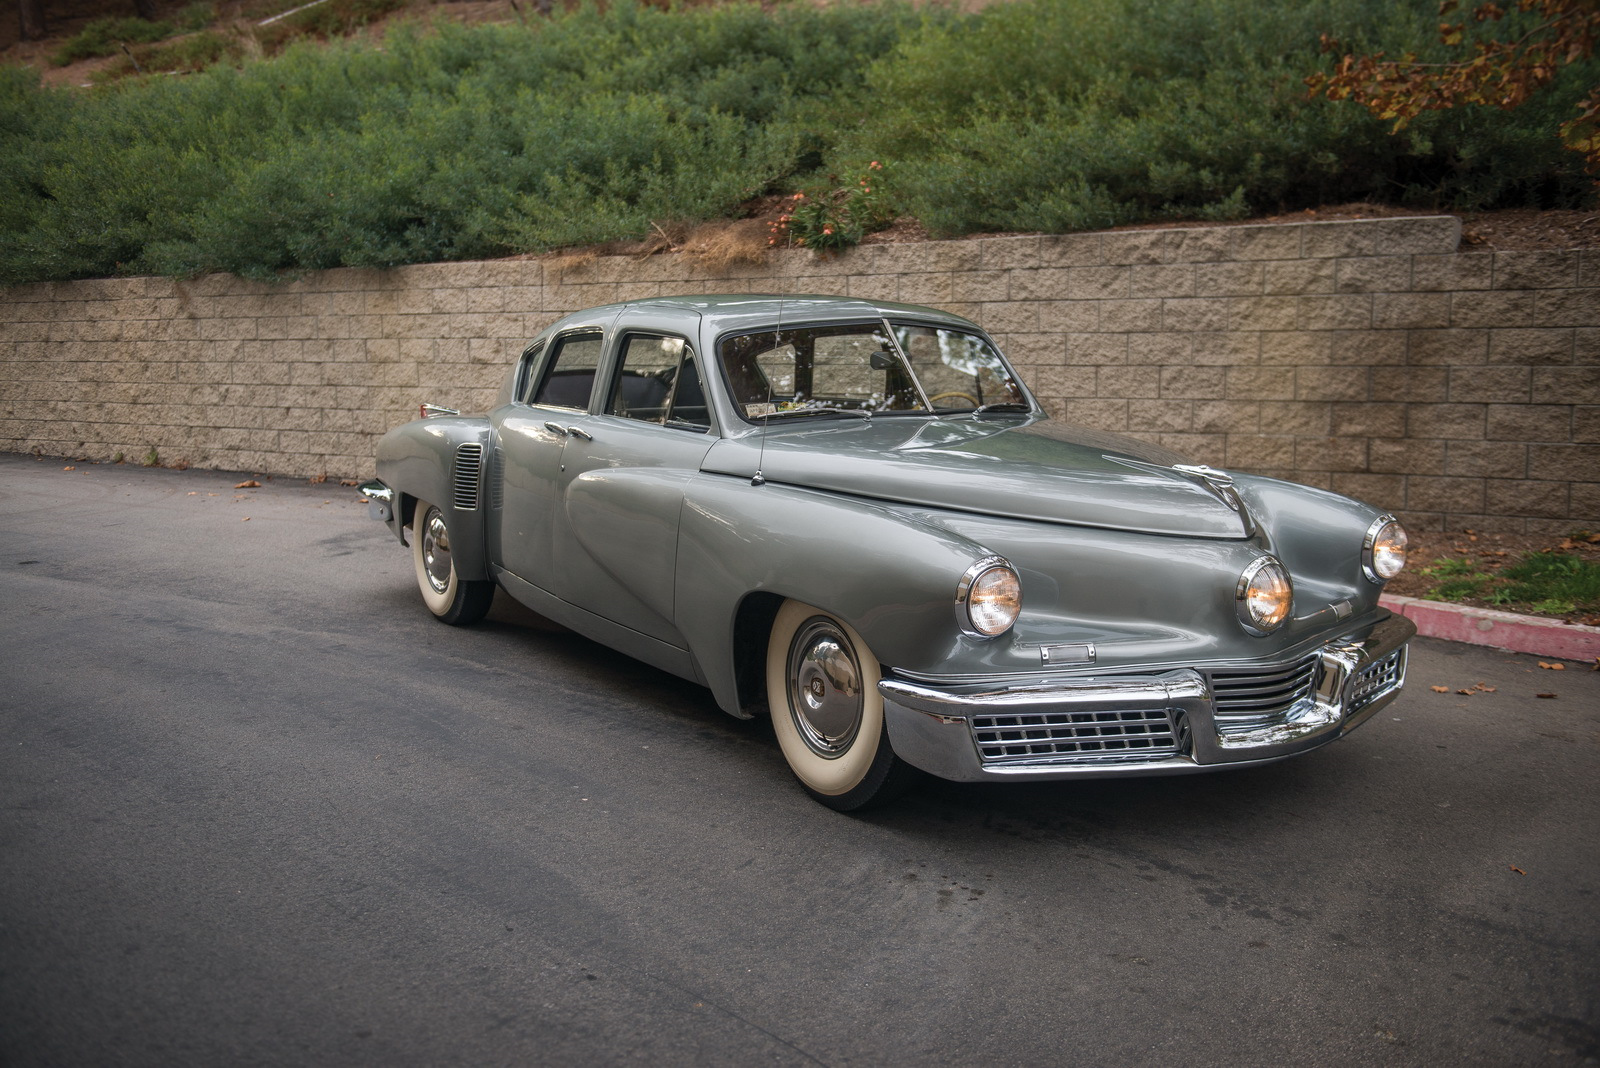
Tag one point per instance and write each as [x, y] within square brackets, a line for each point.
[988, 598]
[1264, 595]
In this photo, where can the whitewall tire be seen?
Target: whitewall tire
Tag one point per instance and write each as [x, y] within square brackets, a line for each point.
[822, 689]
[447, 596]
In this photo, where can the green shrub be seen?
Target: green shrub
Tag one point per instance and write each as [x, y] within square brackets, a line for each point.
[458, 142]
[105, 37]
[1068, 114]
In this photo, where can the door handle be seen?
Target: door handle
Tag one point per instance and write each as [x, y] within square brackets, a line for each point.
[580, 433]
[556, 428]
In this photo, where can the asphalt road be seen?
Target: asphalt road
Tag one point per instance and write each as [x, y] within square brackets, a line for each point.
[259, 808]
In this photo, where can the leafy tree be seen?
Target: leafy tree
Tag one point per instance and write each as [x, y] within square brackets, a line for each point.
[1547, 35]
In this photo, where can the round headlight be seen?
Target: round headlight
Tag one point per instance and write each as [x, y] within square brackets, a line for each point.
[988, 598]
[1383, 553]
[1264, 596]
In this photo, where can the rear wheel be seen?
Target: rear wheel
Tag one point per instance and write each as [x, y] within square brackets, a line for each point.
[822, 688]
[447, 596]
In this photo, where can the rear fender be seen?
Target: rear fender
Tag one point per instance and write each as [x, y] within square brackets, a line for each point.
[443, 461]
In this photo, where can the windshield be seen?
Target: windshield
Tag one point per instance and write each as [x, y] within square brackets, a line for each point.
[866, 369]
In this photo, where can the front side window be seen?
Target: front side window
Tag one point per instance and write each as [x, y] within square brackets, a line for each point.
[818, 368]
[866, 369]
[569, 376]
[658, 381]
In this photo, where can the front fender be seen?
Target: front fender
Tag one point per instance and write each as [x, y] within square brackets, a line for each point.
[443, 461]
[881, 568]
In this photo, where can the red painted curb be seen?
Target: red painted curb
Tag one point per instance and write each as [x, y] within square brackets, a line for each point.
[1503, 630]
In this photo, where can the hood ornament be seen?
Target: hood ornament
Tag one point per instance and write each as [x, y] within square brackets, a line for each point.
[1220, 479]
[1218, 482]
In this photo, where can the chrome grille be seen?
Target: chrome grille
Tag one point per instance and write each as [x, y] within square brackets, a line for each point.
[469, 462]
[1249, 699]
[1082, 737]
[1375, 680]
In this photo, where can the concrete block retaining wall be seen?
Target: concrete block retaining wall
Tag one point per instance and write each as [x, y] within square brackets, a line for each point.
[1459, 389]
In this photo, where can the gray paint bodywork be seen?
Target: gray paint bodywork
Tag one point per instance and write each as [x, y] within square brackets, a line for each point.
[655, 539]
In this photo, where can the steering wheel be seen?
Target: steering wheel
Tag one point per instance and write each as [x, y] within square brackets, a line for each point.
[969, 398]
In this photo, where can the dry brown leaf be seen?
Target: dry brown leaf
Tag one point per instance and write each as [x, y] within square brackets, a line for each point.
[317, 480]
[246, 519]
[1546, 695]
[1467, 693]
[69, 469]
[248, 483]
[1484, 687]
[1518, 870]
[1439, 689]
[1552, 667]
[349, 482]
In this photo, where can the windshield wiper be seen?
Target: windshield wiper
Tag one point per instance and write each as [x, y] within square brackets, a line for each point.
[820, 410]
[1002, 406]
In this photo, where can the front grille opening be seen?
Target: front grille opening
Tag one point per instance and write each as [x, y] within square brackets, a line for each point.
[1246, 700]
[1375, 680]
[1075, 736]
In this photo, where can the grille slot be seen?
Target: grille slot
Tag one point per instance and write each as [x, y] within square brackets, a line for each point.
[1375, 680]
[1082, 737]
[469, 464]
[1249, 699]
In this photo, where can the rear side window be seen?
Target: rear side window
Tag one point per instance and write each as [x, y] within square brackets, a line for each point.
[569, 376]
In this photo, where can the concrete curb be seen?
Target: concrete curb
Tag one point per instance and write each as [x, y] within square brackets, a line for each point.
[1503, 630]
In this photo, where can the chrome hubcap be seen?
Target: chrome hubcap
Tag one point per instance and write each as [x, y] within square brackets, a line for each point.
[436, 550]
[825, 698]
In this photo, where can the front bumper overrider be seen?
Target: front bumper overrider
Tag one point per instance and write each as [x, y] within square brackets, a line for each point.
[1163, 723]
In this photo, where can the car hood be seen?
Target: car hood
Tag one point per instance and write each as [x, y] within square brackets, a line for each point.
[1022, 469]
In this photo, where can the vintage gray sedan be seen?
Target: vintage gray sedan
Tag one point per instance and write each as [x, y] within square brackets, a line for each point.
[853, 517]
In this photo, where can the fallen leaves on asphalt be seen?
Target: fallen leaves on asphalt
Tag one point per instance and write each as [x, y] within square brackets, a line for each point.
[1518, 870]
[1477, 687]
[1546, 695]
[1552, 667]
[248, 483]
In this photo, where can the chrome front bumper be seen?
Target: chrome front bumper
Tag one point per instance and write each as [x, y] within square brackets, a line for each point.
[1158, 724]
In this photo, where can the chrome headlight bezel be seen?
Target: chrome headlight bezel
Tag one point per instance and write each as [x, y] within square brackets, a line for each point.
[976, 590]
[1259, 575]
[1376, 548]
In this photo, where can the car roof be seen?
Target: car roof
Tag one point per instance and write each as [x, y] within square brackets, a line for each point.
[731, 312]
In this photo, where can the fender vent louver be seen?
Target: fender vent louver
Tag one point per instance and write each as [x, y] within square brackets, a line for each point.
[497, 479]
[469, 463]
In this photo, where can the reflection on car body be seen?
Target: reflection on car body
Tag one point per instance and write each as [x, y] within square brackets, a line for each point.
[853, 517]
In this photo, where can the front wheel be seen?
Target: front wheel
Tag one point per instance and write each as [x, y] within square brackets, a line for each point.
[447, 596]
[822, 688]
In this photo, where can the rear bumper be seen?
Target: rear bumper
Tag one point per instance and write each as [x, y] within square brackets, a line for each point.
[1163, 723]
